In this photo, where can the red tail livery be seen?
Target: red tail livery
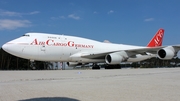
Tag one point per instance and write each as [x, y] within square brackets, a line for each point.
[157, 39]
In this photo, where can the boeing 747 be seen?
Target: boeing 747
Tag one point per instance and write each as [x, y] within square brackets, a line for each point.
[77, 50]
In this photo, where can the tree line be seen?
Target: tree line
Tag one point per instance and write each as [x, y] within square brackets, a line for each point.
[10, 62]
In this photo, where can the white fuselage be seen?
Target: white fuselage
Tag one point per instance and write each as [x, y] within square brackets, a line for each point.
[51, 47]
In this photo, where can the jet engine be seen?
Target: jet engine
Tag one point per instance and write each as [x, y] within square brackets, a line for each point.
[115, 58]
[166, 53]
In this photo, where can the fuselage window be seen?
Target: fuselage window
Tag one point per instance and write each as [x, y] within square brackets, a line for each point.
[51, 37]
[26, 35]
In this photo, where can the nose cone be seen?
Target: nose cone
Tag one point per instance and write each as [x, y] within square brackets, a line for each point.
[12, 48]
[5, 47]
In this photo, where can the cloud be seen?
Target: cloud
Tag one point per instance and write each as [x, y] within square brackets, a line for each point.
[95, 12]
[70, 16]
[10, 13]
[149, 19]
[54, 18]
[73, 17]
[32, 13]
[111, 11]
[62, 17]
[7, 24]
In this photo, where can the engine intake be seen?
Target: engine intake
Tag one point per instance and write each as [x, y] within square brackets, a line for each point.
[114, 58]
[166, 53]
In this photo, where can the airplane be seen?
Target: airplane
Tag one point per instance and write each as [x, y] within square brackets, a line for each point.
[78, 50]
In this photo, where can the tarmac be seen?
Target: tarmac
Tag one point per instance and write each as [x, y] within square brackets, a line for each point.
[157, 84]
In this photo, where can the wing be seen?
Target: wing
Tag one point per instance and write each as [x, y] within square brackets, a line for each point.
[130, 52]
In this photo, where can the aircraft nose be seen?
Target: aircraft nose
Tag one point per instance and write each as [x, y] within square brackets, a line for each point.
[5, 47]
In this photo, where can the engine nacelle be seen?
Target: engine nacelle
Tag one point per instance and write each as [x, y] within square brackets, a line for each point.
[114, 58]
[73, 64]
[166, 53]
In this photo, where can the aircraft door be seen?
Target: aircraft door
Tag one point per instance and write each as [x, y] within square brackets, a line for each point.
[43, 48]
[63, 55]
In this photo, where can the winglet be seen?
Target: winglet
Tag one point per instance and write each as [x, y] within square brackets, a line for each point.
[157, 39]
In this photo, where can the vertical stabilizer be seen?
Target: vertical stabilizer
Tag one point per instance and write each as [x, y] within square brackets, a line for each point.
[157, 39]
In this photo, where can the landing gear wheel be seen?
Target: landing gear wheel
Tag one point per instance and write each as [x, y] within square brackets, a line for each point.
[32, 65]
[113, 67]
[96, 67]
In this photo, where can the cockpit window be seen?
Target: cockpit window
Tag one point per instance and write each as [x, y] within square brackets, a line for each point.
[27, 35]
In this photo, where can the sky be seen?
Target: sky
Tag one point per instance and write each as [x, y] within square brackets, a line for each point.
[120, 21]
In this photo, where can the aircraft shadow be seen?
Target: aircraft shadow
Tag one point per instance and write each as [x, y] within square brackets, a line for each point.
[50, 99]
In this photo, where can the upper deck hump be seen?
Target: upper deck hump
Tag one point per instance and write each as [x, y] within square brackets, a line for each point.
[56, 36]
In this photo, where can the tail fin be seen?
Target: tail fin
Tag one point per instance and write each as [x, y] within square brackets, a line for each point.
[157, 39]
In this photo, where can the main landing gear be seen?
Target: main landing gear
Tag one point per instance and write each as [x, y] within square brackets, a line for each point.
[95, 66]
[32, 64]
[118, 66]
